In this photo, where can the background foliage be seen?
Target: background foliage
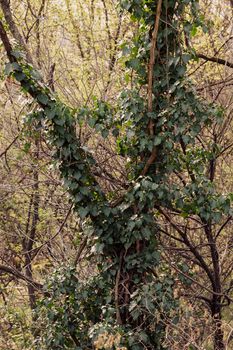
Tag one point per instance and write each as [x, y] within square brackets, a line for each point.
[169, 220]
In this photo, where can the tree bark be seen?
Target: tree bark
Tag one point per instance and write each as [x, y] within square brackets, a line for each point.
[218, 331]
[28, 243]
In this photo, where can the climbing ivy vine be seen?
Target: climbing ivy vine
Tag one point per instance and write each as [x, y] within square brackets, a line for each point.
[128, 301]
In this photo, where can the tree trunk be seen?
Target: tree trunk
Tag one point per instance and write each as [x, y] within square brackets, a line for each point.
[217, 321]
[31, 233]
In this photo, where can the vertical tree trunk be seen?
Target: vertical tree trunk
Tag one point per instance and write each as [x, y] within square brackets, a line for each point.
[218, 334]
[217, 323]
[31, 234]
[217, 289]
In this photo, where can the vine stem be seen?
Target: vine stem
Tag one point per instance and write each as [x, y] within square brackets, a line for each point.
[118, 314]
[153, 155]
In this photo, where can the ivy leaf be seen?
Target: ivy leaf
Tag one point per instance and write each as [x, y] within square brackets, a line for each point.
[186, 139]
[104, 133]
[181, 70]
[35, 74]
[134, 63]
[106, 211]
[20, 76]
[186, 58]
[50, 113]
[84, 191]
[154, 186]
[92, 122]
[43, 98]
[77, 175]
[59, 142]
[18, 54]
[157, 140]
[11, 67]
[130, 134]
[59, 121]
[83, 212]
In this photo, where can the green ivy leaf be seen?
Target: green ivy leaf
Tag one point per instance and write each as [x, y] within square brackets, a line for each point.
[157, 140]
[43, 98]
[20, 76]
[83, 212]
[11, 67]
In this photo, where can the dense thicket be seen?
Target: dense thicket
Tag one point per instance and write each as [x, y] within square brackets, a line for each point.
[142, 162]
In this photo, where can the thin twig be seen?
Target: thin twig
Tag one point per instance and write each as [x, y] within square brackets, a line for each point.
[222, 227]
[80, 250]
[198, 283]
[38, 249]
[9, 146]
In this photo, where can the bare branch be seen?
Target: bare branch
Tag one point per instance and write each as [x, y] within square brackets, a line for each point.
[9, 146]
[18, 274]
[216, 60]
[80, 250]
